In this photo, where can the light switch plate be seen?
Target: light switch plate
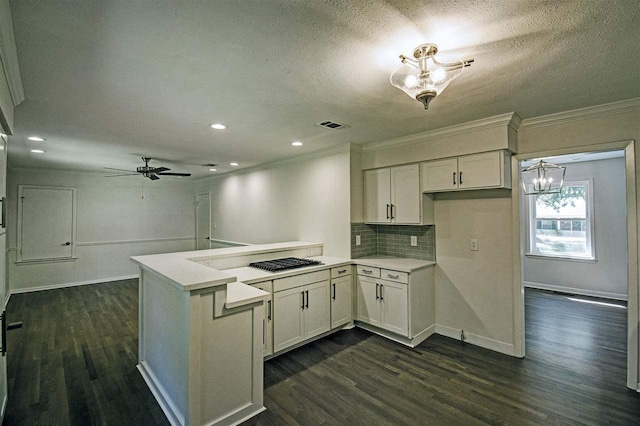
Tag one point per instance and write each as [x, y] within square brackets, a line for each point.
[414, 240]
[474, 245]
[358, 242]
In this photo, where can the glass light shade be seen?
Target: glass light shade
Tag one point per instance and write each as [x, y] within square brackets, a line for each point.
[542, 178]
[435, 78]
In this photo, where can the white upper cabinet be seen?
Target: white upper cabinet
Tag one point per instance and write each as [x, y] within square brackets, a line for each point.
[393, 195]
[476, 171]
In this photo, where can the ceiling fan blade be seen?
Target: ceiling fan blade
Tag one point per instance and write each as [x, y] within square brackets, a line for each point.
[175, 174]
[121, 170]
[128, 174]
[160, 170]
[153, 176]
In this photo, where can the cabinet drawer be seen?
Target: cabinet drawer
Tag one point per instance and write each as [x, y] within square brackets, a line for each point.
[302, 279]
[342, 271]
[368, 271]
[264, 286]
[395, 276]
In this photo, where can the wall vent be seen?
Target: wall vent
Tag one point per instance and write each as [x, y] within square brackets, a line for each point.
[332, 125]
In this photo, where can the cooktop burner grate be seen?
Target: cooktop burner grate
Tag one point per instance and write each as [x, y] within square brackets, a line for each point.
[283, 264]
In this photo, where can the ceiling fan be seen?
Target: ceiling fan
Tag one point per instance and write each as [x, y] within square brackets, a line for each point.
[152, 173]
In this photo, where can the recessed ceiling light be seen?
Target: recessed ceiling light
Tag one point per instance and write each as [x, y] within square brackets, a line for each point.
[218, 126]
[297, 143]
[213, 170]
[37, 151]
[233, 164]
[36, 139]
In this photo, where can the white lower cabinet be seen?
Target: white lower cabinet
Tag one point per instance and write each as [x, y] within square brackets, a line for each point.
[300, 313]
[398, 305]
[383, 304]
[267, 323]
[341, 301]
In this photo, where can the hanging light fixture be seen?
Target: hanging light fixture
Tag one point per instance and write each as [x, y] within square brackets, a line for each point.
[542, 178]
[424, 78]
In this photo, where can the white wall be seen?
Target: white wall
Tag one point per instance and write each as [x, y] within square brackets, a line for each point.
[608, 276]
[114, 222]
[306, 200]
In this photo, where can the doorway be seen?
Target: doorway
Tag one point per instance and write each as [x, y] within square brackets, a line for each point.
[203, 221]
[523, 242]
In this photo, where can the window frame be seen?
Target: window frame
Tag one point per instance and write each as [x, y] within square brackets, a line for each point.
[590, 221]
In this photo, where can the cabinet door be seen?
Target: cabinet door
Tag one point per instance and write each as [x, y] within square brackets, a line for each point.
[395, 307]
[441, 175]
[368, 303]
[317, 310]
[480, 170]
[377, 196]
[341, 301]
[287, 318]
[405, 194]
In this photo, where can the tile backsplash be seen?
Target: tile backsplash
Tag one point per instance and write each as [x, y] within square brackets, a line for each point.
[393, 240]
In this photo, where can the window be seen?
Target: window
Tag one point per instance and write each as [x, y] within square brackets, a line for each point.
[561, 225]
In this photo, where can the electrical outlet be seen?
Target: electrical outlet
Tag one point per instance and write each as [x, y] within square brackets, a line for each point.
[474, 245]
[358, 241]
[414, 240]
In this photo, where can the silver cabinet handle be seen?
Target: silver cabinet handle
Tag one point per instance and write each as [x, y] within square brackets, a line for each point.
[395, 277]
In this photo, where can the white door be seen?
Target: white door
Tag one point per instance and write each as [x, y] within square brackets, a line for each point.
[368, 303]
[405, 194]
[203, 221]
[341, 301]
[317, 315]
[441, 175]
[287, 318]
[377, 196]
[395, 307]
[480, 170]
[46, 222]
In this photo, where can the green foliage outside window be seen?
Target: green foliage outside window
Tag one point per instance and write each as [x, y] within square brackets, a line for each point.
[568, 196]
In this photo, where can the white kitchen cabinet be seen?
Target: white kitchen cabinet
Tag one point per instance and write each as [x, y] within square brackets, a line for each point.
[300, 313]
[267, 323]
[341, 301]
[383, 304]
[476, 171]
[392, 195]
[395, 304]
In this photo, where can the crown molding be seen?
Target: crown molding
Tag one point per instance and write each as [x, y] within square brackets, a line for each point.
[9, 55]
[582, 114]
[511, 119]
[348, 147]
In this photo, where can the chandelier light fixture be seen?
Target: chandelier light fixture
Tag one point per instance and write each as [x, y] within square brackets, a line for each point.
[542, 178]
[424, 78]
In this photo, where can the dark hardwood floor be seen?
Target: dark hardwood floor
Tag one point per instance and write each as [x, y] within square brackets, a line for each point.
[74, 360]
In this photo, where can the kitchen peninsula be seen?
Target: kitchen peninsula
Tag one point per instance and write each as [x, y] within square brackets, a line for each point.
[207, 319]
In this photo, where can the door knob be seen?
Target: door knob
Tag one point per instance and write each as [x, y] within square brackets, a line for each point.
[67, 243]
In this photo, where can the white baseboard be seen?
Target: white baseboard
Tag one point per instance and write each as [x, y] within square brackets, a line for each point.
[63, 285]
[175, 417]
[474, 339]
[572, 290]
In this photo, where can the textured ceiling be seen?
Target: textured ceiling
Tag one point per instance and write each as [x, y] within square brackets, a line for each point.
[108, 81]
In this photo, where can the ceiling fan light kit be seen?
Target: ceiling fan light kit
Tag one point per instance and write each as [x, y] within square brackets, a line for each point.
[423, 77]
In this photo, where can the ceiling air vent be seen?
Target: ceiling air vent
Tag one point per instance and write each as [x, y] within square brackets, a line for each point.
[332, 125]
[209, 165]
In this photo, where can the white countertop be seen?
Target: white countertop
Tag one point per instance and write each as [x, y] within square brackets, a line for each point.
[182, 268]
[251, 275]
[396, 263]
[240, 294]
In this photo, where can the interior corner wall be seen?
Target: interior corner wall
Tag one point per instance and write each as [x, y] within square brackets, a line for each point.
[307, 200]
[608, 276]
[114, 222]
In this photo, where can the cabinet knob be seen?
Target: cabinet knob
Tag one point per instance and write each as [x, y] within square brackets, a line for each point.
[68, 243]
